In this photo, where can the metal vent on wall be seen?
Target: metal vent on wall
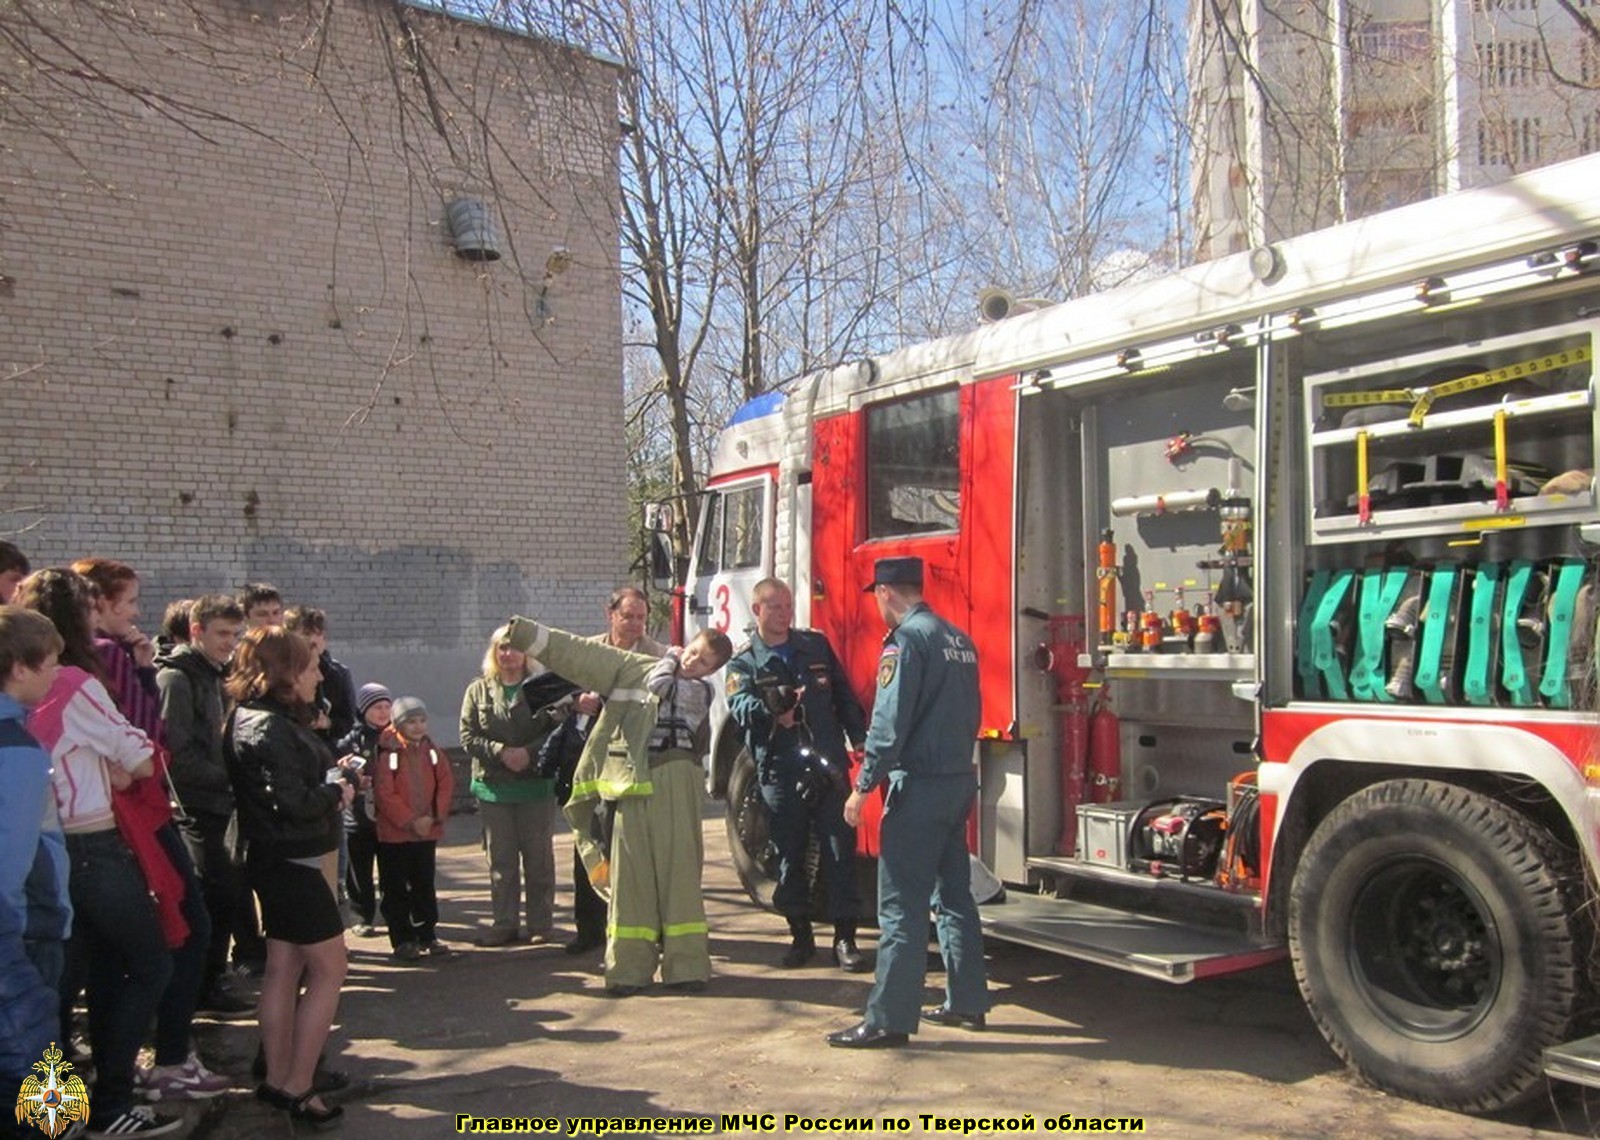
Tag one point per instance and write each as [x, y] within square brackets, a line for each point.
[472, 229]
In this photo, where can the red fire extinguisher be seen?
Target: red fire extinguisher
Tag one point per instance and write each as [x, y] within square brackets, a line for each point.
[1105, 749]
[1060, 656]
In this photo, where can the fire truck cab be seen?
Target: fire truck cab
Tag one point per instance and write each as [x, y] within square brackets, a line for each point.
[1281, 573]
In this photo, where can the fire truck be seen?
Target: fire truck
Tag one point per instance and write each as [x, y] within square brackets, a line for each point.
[1281, 573]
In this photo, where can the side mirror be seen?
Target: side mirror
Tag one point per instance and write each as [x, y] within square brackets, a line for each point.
[658, 518]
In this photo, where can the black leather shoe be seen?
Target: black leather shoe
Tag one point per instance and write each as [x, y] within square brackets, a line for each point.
[864, 1036]
[848, 958]
[324, 1080]
[943, 1015]
[583, 944]
[802, 944]
[301, 1112]
[621, 991]
[274, 1098]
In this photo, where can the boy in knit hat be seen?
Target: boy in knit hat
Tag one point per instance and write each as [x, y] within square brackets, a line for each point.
[357, 751]
[411, 786]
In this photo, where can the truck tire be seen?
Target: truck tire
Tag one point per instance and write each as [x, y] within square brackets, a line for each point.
[748, 832]
[1436, 942]
[756, 860]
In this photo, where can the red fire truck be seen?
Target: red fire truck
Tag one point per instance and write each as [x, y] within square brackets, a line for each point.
[1280, 570]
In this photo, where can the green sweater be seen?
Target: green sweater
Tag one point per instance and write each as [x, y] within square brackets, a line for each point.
[489, 724]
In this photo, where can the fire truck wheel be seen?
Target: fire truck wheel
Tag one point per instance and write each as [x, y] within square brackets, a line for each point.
[748, 831]
[1435, 941]
[756, 860]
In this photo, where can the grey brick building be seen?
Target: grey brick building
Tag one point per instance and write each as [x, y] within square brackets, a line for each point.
[238, 341]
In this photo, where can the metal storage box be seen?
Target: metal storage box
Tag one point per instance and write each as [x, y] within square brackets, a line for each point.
[1103, 832]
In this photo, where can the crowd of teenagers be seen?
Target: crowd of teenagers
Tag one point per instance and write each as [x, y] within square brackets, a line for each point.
[221, 794]
[188, 811]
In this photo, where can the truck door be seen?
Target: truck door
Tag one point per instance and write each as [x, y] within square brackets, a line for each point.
[733, 551]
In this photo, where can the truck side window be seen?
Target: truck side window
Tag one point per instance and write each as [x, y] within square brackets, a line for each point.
[914, 465]
[708, 560]
[742, 527]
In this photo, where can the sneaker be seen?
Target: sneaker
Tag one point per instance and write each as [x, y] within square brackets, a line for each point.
[407, 952]
[81, 1058]
[220, 1004]
[362, 930]
[436, 949]
[140, 1120]
[188, 1081]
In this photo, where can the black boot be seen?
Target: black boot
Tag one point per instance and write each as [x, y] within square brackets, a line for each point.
[802, 945]
[845, 954]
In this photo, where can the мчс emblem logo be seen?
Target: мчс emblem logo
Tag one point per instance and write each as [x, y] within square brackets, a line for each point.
[52, 1096]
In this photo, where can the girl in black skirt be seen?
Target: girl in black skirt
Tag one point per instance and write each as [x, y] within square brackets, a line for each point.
[289, 796]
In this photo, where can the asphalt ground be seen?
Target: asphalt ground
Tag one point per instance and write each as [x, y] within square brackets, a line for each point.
[529, 1032]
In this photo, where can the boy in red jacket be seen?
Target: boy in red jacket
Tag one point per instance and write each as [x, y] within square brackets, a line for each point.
[411, 787]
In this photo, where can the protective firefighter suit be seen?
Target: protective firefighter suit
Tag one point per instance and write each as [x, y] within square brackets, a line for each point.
[635, 803]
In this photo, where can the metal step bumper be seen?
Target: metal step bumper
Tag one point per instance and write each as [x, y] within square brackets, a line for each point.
[1155, 947]
[1577, 1061]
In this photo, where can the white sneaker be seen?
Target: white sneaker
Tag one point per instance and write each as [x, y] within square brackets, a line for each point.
[140, 1120]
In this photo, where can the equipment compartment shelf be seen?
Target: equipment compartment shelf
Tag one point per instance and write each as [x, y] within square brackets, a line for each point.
[1461, 517]
[1200, 666]
[1515, 409]
[1451, 431]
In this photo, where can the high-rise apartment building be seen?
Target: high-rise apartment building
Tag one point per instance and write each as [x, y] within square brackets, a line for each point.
[1311, 112]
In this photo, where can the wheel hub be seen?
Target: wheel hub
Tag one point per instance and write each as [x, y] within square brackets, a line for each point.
[1424, 948]
[1449, 936]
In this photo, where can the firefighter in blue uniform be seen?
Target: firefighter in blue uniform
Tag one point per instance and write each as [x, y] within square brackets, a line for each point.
[794, 707]
[924, 721]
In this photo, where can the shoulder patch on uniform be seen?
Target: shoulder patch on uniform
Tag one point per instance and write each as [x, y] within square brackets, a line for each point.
[886, 667]
[735, 682]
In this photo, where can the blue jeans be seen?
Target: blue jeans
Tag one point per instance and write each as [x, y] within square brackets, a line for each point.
[128, 962]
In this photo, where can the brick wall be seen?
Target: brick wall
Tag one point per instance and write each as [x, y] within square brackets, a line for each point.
[236, 343]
